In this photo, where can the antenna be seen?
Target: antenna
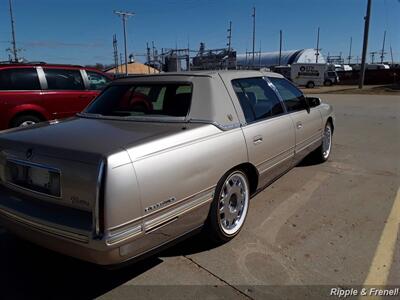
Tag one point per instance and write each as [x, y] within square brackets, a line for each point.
[317, 53]
[124, 16]
[383, 47]
[13, 42]
[254, 32]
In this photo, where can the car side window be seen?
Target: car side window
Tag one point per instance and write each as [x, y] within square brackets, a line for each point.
[257, 99]
[63, 79]
[97, 81]
[292, 97]
[19, 79]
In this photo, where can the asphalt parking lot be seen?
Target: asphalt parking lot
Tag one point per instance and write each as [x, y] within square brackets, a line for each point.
[335, 224]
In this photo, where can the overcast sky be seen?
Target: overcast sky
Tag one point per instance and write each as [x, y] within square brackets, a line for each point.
[80, 31]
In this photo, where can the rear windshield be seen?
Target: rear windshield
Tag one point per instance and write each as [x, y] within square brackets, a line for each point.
[143, 100]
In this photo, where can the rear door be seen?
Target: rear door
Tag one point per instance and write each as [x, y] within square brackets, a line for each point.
[269, 132]
[308, 122]
[65, 94]
[20, 91]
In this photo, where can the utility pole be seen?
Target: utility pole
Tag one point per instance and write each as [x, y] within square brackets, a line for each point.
[317, 53]
[383, 47]
[349, 57]
[124, 16]
[373, 56]
[148, 57]
[391, 55]
[229, 44]
[254, 33]
[13, 42]
[280, 47]
[365, 45]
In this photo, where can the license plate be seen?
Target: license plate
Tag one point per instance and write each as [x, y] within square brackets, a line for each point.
[33, 177]
[39, 177]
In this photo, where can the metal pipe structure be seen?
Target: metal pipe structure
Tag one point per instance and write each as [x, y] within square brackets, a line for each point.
[124, 16]
[365, 45]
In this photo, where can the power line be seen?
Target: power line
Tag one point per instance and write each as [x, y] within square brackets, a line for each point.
[124, 16]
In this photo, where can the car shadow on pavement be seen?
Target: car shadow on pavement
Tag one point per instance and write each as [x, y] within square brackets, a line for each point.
[28, 271]
[31, 272]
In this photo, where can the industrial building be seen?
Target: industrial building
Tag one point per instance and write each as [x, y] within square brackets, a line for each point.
[271, 59]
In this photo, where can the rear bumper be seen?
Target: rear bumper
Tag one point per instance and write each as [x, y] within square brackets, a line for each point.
[58, 240]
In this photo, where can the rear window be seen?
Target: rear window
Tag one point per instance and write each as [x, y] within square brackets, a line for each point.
[19, 79]
[61, 79]
[155, 100]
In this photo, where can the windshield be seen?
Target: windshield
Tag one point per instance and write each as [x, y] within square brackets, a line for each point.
[143, 100]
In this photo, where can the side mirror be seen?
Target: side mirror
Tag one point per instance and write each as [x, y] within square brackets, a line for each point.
[313, 101]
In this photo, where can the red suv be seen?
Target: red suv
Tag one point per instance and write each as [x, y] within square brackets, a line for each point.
[31, 93]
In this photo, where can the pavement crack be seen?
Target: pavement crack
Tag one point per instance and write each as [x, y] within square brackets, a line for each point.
[216, 276]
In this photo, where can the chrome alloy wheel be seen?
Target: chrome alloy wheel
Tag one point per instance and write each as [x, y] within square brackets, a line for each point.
[327, 141]
[233, 203]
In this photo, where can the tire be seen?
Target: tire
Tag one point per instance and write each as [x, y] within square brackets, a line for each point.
[323, 152]
[328, 82]
[25, 120]
[310, 85]
[229, 207]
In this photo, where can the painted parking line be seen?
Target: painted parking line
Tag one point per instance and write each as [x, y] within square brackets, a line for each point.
[380, 268]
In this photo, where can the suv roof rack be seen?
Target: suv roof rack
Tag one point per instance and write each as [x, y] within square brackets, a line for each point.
[38, 63]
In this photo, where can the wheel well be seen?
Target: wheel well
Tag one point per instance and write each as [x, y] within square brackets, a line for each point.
[331, 122]
[251, 173]
[27, 113]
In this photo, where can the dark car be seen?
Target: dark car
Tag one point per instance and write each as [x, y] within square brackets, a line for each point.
[31, 93]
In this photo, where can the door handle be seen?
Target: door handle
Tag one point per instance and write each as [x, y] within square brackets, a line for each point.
[257, 139]
[299, 125]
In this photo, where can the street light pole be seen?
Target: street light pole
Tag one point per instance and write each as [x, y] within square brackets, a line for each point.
[365, 45]
[124, 16]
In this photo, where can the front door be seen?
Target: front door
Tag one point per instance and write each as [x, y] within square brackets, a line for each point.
[307, 122]
[269, 132]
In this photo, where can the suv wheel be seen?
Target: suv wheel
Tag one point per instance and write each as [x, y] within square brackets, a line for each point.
[25, 120]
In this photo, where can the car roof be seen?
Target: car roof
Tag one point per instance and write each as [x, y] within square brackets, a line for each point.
[212, 73]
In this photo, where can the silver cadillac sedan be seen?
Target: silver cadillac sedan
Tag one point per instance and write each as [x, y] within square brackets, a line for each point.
[154, 158]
